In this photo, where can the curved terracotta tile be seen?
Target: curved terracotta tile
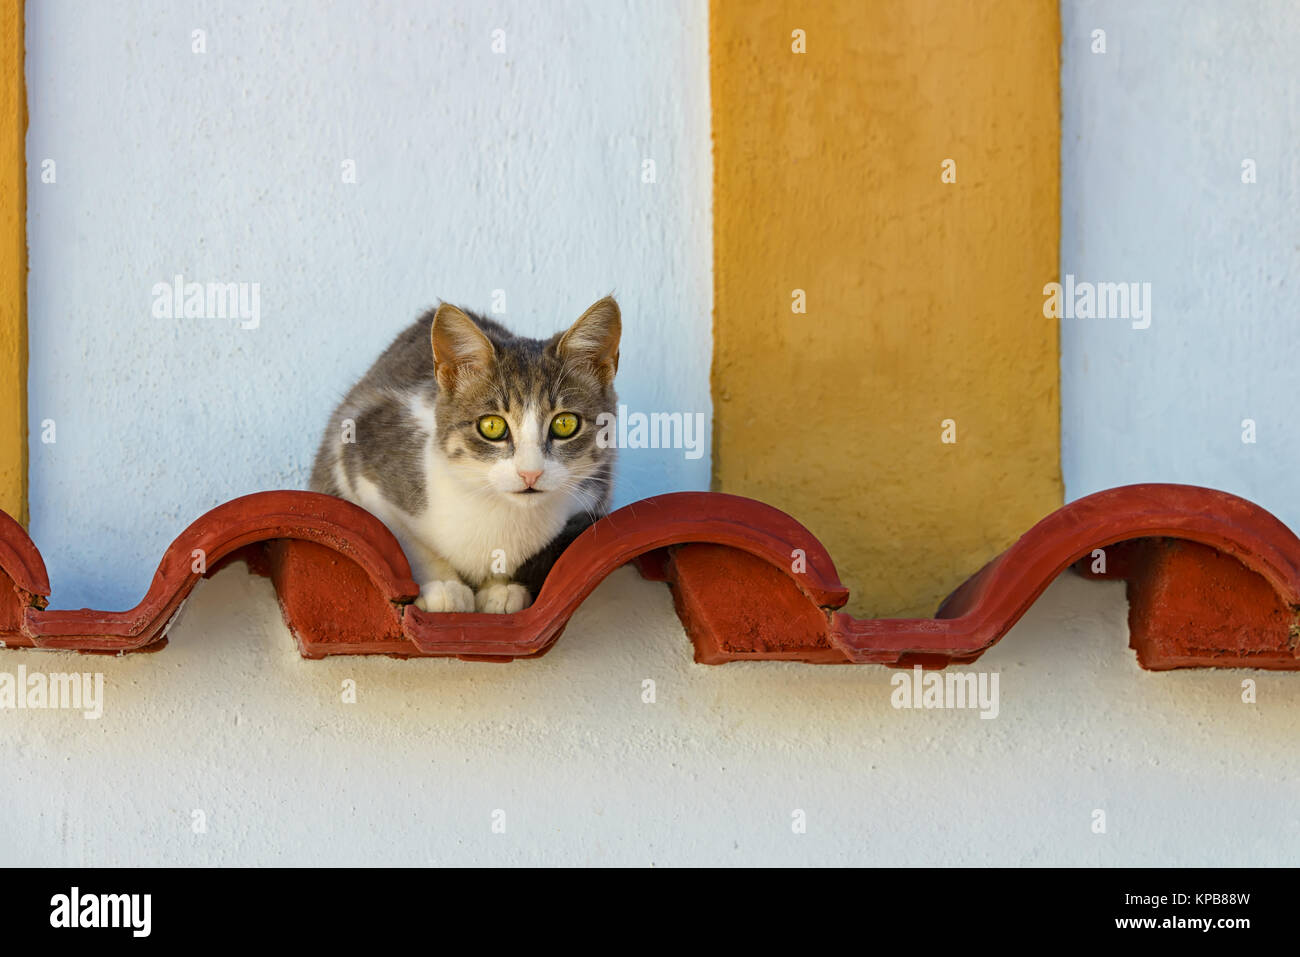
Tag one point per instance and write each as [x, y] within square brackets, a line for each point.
[632, 531]
[985, 607]
[340, 526]
[20, 560]
[23, 581]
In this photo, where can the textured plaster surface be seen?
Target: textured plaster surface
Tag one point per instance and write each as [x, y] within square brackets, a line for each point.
[230, 721]
[476, 171]
[1154, 133]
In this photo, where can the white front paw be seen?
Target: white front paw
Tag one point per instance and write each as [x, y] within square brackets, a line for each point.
[445, 596]
[501, 598]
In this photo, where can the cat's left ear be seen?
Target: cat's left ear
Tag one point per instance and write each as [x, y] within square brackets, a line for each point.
[593, 339]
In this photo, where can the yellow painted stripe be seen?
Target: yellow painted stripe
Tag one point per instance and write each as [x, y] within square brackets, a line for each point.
[13, 264]
[924, 299]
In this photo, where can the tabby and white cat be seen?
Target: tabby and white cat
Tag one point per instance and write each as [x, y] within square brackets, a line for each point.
[477, 448]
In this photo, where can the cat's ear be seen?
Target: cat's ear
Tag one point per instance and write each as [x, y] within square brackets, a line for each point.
[460, 349]
[593, 339]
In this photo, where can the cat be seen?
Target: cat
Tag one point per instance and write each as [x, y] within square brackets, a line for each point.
[479, 450]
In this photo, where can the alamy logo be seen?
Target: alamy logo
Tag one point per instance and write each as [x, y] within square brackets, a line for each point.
[213, 300]
[75, 909]
[948, 689]
[1103, 300]
[75, 691]
[655, 430]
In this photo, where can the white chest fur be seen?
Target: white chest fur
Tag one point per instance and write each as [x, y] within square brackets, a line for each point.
[478, 533]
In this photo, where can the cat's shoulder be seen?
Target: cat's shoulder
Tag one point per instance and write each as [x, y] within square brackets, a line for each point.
[408, 360]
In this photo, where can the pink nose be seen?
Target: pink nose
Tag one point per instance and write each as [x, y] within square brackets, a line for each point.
[530, 478]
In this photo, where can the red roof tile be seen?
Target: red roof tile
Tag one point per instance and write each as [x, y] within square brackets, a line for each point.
[748, 581]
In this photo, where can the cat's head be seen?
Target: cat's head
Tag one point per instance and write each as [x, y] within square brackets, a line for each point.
[517, 417]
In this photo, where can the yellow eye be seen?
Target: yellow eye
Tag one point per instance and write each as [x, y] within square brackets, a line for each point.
[564, 425]
[492, 427]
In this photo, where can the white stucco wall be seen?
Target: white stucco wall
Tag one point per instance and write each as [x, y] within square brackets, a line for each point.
[1154, 134]
[228, 720]
[476, 171]
[226, 167]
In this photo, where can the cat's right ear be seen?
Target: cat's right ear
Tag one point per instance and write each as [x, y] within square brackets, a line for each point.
[460, 349]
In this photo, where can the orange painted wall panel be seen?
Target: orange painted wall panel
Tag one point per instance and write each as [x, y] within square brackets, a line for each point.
[923, 298]
[13, 263]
